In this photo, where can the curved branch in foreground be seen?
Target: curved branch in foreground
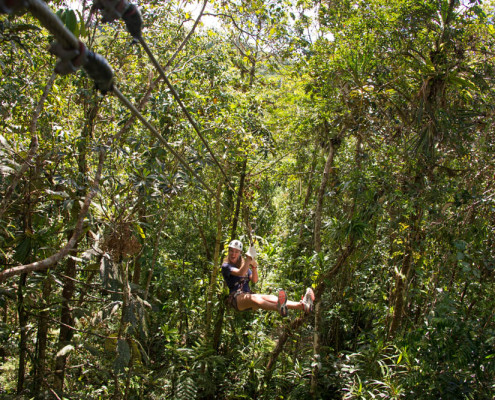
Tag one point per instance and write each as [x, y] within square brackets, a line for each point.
[78, 230]
[296, 323]
[282, 339]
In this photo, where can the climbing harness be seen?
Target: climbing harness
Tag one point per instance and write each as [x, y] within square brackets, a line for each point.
[232, 298]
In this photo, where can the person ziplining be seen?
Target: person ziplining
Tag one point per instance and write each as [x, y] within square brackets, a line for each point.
[238, 272]
[72, 54]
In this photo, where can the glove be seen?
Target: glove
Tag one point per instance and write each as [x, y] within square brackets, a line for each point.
[252, 252]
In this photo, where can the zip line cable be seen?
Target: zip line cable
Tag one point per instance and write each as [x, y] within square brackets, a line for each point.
[96, 67]
[181, 104]
[122, 9]
[73, 54]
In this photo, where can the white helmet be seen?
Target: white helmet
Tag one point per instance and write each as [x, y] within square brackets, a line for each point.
[236, 244]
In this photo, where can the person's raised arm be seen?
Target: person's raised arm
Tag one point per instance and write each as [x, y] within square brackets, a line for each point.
[251, 260]
[243, 270]
[246, 263]
[254, 268]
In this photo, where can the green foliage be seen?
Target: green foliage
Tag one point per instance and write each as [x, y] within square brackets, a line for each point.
[402, 93]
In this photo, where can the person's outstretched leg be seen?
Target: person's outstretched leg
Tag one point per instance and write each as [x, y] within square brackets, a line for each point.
[256, 301]
[265, 302]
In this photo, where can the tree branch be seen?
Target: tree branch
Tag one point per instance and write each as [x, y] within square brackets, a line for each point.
[233, 21]
[296, 324]
[78, 230]
[186, 39]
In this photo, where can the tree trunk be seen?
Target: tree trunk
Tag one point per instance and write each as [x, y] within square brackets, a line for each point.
[136, 276]
[155, 253]
[122, 335]
[66, 320]
[41, 340]
[316, 352]
[68, 291]
[183, 312]
[296, 323]
[321, 195]
[239, 200]
[216, 258]
[402, 278]
[317, 244]
[23, 317]
[217, 333]
[23, 336]
[282, 339]
[307, 197]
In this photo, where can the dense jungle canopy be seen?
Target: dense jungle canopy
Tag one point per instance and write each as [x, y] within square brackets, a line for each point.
[353, 140]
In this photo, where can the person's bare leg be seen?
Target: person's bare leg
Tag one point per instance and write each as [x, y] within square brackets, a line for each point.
[269, 297]
[293, 305]
[264, 301]
[255, 301]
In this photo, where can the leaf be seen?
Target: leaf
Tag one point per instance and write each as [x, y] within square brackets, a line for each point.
[23, 249]
[140, 231]
[71, 21]
[57, 195]
[82, 25]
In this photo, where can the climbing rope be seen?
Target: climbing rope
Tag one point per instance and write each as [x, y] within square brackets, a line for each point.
[73, 54]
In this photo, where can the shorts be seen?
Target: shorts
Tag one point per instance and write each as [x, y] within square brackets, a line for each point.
[232, 299]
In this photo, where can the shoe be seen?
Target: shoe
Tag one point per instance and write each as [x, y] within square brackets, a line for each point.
[282, 303]
[308, 300]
